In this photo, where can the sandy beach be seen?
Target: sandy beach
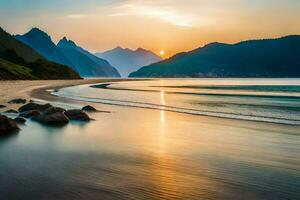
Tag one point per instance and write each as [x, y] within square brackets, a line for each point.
[38, 89]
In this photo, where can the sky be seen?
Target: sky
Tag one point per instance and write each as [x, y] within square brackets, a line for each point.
[171, 26]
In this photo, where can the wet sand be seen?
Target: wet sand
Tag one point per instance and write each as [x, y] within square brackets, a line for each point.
[39, 89]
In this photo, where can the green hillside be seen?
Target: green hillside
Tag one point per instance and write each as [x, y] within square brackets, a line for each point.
[9, 71]
[19, 61]
[14, 67]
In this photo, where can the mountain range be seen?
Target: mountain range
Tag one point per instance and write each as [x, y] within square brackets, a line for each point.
[66, 52]
[19, 61]
[255, 58]
[85, 63]
[127, 60]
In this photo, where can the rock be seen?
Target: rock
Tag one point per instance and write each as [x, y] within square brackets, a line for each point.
[18, 101]
[7, 126]
[78, 115]
[45, 107]
[11, 111]
[29, 106]
[89, 108]
[20, 120]
[34, 106]
[52, 116]
[30, 114]
[53, 110]
[2, 106]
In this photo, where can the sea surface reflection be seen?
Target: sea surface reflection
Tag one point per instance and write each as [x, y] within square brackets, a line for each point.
[138, 153]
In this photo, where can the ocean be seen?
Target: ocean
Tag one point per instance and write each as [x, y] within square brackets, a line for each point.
[163, 139]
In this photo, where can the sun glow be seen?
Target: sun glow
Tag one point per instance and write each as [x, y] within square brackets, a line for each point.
[162, 53]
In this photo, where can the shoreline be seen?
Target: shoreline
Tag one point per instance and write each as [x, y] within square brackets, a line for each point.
[38, 89]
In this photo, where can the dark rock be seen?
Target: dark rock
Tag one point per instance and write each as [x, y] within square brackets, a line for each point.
[29, 106]
[89, 108]
[20, 120]
[77, 115]
[45, 107]
[31, 101]
[53, 110]
[34, 106]
[18, 101]
[30, 114]
[11, 111]
[52, 116]
[7, 126]
[2, 106]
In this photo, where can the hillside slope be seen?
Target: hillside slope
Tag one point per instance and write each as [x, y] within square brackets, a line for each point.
[87, 64]
[9, 42]
[41, 42]
[254, 58]
[19, 61]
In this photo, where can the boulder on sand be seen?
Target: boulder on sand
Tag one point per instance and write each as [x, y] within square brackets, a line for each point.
[89, 108]
[11, 111]
[18, 101]
[52, 116]
[2, 106]
[7, 126]
[34, 106]
[20, 120]
[78, 115]
[30, 113]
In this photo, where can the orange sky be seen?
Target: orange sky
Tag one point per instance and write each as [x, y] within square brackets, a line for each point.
[169, 25]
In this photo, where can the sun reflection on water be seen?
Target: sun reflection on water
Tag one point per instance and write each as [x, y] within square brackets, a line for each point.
[162, 122]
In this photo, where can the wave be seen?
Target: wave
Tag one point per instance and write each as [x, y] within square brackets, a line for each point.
[279, 96]
[136, 104]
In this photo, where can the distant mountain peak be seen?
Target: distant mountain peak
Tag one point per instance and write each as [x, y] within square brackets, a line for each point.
[127, 60]
[118, 48]
[66, 43]
[35, 29]
[214, 44]
[37, 33]
[141, 50]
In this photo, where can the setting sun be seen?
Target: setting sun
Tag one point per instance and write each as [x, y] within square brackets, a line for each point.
[162, 53]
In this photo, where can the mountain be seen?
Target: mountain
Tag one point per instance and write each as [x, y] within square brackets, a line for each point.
[67, 53]
[255, 58]
[127, 60]
[42, 43]
[9, 42]
[20, 62]
[86, 64]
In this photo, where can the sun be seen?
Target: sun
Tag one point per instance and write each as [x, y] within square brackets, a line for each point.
[162, 52]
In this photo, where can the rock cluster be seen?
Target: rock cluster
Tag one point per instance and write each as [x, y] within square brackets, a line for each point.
[43, 113]
[50, 115]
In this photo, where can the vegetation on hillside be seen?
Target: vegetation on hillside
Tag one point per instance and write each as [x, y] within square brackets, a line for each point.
[14, 67]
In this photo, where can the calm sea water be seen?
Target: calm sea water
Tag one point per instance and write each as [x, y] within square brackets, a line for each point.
[163, 139]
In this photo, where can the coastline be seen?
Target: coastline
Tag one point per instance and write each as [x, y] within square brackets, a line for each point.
[38, 89]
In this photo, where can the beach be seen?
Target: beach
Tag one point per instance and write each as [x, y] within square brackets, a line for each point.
[38, 89]
[159, 139]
